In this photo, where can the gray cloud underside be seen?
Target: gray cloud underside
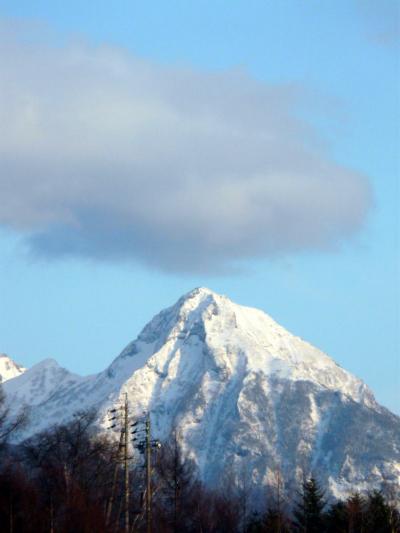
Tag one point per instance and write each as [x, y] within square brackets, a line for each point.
[108, 156]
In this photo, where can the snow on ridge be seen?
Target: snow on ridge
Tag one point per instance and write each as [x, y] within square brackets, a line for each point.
[270, 348]
[9, 369]
[38, 383]
[224, 328]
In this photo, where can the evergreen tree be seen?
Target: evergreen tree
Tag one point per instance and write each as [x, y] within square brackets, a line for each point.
[377, 516]
[337, 518]
[308, 513]
[275, 522]
[355, 511]
[255, 524]
[394, 519]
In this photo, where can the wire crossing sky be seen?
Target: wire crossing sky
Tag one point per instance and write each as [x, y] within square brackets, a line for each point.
[146, 149]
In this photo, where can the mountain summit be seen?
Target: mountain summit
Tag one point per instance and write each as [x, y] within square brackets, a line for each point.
[244, 396]
[8, 368]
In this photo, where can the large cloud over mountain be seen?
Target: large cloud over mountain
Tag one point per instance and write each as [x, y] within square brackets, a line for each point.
[108, 156]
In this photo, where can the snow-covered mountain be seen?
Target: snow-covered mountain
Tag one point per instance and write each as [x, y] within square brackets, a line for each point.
[244, 395]
[8, 368]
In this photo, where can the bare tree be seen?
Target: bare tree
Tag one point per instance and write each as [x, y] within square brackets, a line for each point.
[74, 470]
[174, 478]
[10, 423]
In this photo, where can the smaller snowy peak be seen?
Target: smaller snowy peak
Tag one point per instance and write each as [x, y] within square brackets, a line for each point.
[39, 382]
[46, 364]
[9, 369]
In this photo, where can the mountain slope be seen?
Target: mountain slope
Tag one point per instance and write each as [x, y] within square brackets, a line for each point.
[243, 394]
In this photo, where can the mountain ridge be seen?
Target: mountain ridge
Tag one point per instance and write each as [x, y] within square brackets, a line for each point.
[240, 391]
[9, 369]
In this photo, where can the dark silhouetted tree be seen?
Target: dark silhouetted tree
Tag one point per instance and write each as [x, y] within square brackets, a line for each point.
[337, 518]
[355, 510]
[308, 514]
[377, 514]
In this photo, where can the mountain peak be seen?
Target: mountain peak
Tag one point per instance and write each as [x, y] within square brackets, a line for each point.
[240, 390]
[49, 362]
[199, 290]
[9, 369]
[200, 294]
[231, 336]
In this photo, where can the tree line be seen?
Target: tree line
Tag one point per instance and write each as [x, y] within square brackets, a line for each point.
[69, 479]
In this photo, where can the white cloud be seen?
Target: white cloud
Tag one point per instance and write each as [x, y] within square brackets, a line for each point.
[108, 156]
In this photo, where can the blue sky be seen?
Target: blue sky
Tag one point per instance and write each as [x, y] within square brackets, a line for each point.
[321, 79]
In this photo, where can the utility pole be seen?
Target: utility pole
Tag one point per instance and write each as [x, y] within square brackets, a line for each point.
[51, 515]
[176, 483]
[278, 499]
[115, 479]
[123, 424]
[126, 462]
[148, 474]
[11, 529]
